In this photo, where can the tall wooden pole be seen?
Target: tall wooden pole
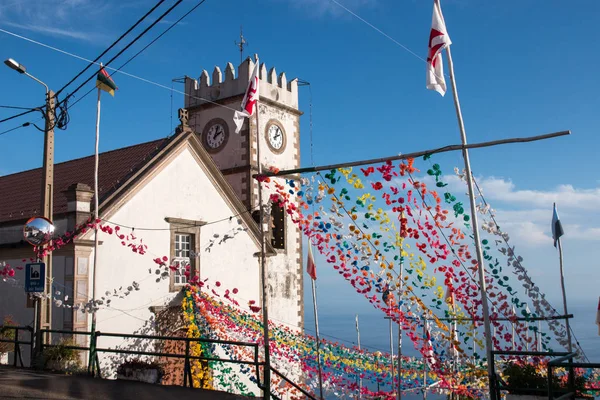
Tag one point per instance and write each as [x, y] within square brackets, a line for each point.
[425, 360]
[96, 217]
[314, 293]
[45, 306]
[393, 373]
[400, 295]
[263, 268]
[564, 294]
[475, 225]
[360, 382]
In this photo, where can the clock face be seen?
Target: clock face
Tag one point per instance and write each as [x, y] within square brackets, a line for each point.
[216, 135]
[275, 137]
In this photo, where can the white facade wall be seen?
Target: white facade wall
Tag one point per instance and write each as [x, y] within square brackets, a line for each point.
[180, 190]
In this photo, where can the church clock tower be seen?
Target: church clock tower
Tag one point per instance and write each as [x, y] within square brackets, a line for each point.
[211, 102]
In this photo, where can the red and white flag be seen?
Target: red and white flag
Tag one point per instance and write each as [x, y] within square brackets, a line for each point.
[429, 352]
[598, 317]
[438, 41]
[311, 268]
[250, 99]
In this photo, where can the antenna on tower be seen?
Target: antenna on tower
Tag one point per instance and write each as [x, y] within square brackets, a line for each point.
[241, 44]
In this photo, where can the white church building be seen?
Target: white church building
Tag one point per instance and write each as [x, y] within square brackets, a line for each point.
[179, 195]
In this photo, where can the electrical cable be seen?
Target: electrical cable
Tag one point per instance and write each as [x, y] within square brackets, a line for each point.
[111, 46]
[229, 218]
[112, 69]
[17, 108]
[167, 12]
[161, 35]
[20, 114]
[15, 128]
[382, 33]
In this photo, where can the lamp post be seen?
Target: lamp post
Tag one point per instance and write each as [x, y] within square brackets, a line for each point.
[44, 314]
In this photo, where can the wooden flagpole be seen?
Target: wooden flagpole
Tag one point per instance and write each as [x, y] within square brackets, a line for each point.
[475, 225]
[263, 266]
[400, 295]
[314, 294]
[360, 382]
[564, 295]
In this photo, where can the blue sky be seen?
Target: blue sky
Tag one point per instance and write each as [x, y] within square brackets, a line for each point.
[524, 67]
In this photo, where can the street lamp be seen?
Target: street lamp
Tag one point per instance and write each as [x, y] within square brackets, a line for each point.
[20, 68]
[44, 309]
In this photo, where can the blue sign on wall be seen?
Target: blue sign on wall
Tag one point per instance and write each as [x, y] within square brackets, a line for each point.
[35, 277]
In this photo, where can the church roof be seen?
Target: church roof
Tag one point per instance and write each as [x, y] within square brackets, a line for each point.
[21, 192]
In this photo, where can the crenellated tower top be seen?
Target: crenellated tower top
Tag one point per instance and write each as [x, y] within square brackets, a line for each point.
[217, 87]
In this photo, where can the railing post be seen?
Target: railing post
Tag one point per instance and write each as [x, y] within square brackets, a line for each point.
[186, 365]
[31, 344]
[257, 365]
[91, 358]
[493, 374]
[39, 340]
[571, 378]
[550, 394]
[16, 348]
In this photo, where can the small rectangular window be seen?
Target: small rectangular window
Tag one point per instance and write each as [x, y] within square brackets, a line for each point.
[181, 258]
[277, 227]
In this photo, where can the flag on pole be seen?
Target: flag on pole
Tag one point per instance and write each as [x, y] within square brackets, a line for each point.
[557, 230]
[356, 322]
[438, 41]
[598, 317]
[386, 297]
[249, 101]
[450, 298]
[105, 82]
[453, 333]
[430, 354]
[311, 268]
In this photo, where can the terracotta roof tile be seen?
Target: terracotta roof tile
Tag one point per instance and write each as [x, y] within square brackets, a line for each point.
[20, 193]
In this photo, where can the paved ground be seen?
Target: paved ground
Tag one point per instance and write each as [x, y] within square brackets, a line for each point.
[28, 384]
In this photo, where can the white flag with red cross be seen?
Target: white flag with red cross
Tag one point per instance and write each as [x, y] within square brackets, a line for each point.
[438, 41]
[250, 100]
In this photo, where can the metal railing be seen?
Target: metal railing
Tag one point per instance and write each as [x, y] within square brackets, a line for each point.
[94, 364]
[570, 365]
[498, 385]
[16, 341]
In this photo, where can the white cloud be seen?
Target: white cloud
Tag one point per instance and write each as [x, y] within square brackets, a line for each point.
[58, 18]
[566, 196]
[53, 31]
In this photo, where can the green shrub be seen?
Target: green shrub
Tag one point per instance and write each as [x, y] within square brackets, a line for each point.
[61, 354]
[524, 379]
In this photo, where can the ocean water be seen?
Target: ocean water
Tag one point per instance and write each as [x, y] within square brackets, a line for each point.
[339, 325]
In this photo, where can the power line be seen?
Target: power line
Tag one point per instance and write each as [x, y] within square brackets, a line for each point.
[127, 47]
[17, 108]
[165, 31]
[20, 114]
[111, 46]
[15, 128]
[139, 52]
[120, 72]
[382, 33]
[229, 218]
